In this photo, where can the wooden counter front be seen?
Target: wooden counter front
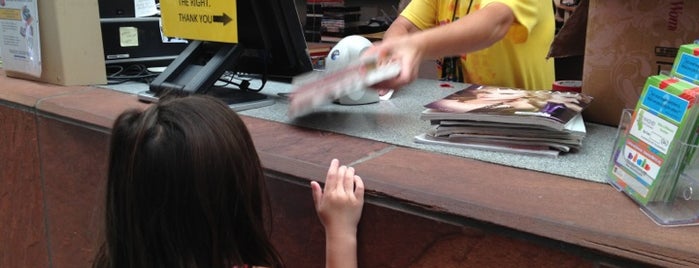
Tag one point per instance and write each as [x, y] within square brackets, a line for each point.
[423, 209]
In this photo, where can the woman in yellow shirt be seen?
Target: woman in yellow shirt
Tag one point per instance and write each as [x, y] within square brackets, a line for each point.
[495, 42]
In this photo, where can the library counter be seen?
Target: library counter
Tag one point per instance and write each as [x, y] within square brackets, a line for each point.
[424, 208]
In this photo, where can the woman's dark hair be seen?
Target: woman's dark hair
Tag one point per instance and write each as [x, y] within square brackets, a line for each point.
[185, 188]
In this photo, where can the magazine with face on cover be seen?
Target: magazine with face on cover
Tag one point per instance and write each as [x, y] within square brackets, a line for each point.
[550, 109]
[544, 123]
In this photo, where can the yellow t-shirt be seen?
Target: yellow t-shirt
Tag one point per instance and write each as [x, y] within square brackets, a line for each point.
[518, 60]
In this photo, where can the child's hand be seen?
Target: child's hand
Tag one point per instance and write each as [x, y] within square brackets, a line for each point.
[339, 205]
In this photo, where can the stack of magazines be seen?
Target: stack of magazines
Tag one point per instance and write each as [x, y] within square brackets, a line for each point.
[538, 122]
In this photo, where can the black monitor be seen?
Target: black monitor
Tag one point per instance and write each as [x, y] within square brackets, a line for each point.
[271, 45]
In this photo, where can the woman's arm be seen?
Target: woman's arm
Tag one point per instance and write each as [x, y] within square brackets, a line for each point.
[401, 26]
[473, 32]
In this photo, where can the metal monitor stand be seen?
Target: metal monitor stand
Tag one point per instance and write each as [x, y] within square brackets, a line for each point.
[197, 68]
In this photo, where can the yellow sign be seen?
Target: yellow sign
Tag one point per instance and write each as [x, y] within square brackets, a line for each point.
[10, 14]
[206, 20]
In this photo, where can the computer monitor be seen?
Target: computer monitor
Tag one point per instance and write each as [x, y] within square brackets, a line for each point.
[278, 36]
[271, 45]
[148, 47]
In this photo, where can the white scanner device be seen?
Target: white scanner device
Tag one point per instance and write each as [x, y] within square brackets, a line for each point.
[343, 53]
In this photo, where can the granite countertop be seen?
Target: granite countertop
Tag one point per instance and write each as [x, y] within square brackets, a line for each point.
[396, 121]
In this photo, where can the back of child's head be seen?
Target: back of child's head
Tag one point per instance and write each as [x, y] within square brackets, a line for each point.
[185, 189]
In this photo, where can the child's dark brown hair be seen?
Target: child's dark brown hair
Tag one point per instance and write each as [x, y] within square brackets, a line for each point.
[185, 189]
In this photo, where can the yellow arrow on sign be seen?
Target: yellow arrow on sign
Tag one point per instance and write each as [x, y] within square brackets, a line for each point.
[200, 20]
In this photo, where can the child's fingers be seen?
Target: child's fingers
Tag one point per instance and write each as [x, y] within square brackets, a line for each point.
[348, 180]
[317, 193]
[331, 178]
[358, 188]
[339, 180]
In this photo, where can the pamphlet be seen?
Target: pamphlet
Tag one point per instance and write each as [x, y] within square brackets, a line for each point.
[648, 161]
[20, 48]
[314, 89]
[686, 64]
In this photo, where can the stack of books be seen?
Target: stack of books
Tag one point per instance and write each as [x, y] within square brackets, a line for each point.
[540, 122]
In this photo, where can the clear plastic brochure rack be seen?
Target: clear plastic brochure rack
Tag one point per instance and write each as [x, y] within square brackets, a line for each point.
[681, 206]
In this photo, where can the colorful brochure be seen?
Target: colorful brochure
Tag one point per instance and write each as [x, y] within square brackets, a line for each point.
[650, 157]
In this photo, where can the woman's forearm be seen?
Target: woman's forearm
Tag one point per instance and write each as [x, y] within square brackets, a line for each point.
[476, 31]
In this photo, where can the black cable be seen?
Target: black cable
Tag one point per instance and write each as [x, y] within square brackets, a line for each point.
[117, 74]
[244, 84]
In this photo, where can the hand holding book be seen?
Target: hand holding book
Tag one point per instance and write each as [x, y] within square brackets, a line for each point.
[314, 89]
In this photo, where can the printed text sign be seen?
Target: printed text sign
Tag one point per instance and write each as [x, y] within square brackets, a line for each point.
[206, 20]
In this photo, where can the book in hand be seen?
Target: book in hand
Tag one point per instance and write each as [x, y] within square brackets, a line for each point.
[315, 89]
[650, 154]
[538, 122]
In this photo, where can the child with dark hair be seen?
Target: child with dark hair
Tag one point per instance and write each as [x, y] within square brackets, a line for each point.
[186, 188]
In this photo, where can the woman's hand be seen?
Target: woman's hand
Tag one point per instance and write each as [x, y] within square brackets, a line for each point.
[399, 49]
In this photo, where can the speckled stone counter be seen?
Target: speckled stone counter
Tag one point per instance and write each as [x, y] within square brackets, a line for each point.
[396, 121]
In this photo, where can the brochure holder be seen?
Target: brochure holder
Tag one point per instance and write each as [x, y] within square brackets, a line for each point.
[683, 207]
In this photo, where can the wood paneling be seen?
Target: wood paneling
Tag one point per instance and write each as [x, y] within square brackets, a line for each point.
[22, 233]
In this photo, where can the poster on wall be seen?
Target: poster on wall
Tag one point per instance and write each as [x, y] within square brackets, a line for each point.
[20, 48]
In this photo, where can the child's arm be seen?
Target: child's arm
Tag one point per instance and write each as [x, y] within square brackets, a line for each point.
[339, 207]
